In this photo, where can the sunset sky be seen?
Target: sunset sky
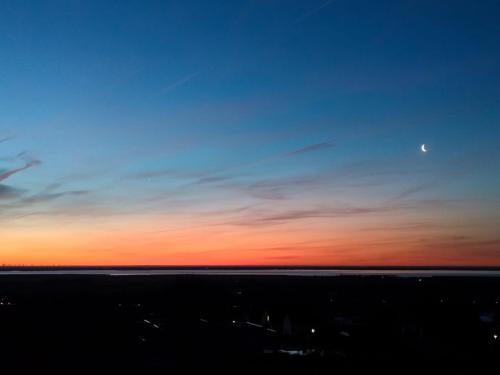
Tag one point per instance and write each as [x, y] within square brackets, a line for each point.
[252, 132]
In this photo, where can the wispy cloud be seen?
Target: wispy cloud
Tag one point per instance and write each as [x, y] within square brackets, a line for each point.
[212, 179]
[7, 138]
[171, 173]
[311, 148]
[415, 189]
[45, 197]
[179, 83]
[313, 11]
[452, 171]
[274, 193]
[267, 217]
[151, 174]
[296, 152]
[205, 177]
[8, 192]
[323, 212]
[19, 199]
[31, 163]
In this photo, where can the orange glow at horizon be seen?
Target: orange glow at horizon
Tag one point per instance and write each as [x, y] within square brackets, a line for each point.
[140, 241]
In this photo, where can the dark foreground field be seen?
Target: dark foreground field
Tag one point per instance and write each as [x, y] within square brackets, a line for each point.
[87, 324]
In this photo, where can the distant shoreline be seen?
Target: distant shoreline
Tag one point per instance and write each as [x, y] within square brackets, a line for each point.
[252, 268]
[250, 271]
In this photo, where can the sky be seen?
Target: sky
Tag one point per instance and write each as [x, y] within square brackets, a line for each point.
[256, 132]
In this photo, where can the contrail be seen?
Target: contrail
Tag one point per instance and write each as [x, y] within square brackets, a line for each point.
[314, 11]
[180, 82]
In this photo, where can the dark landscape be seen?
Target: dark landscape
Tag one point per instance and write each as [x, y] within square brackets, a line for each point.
[191, 323]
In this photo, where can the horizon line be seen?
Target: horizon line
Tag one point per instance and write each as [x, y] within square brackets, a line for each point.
[251, 267]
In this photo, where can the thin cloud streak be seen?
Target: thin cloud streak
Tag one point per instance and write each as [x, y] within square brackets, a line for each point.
[452, 171]
[215, 176]
[5, 139]
[179, 83]
[264, 217]
[311, 148]
[7, 174]
[19, 200]
[8, 192]
[40, 198]
[325, 212]
[313, 11]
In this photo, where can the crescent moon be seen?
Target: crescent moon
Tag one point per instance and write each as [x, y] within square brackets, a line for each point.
[423, 148]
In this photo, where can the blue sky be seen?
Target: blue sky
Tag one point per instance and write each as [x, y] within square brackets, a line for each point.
[289, 109]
